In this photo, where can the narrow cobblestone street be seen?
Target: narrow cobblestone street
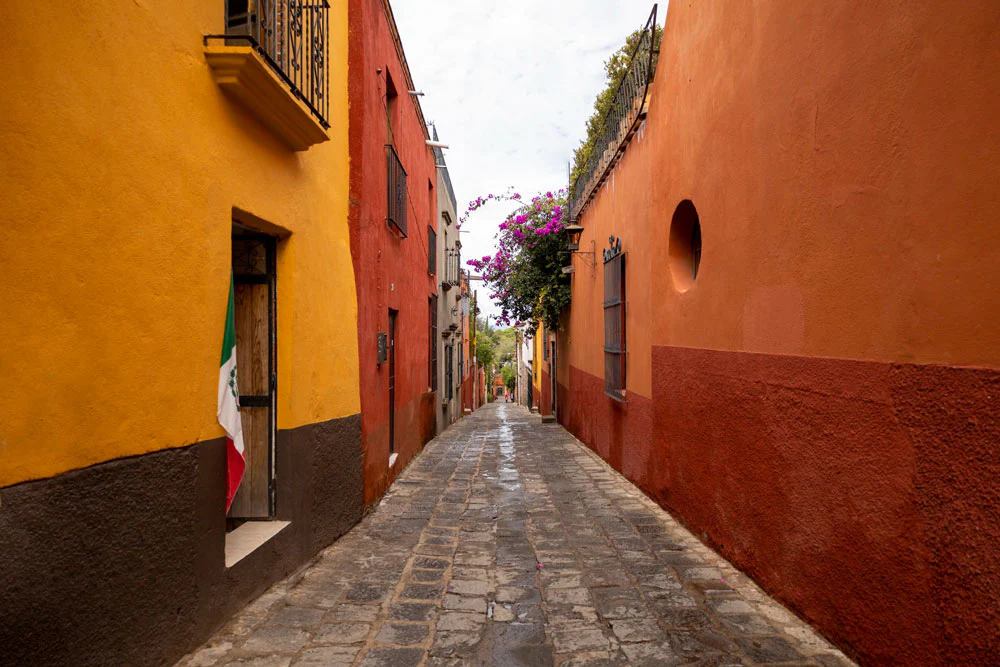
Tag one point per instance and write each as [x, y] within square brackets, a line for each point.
[507, 542]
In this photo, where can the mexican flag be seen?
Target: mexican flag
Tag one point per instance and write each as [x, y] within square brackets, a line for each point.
[229, 405]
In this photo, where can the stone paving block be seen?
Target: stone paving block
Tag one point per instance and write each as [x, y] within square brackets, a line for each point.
[746, 624]
[730, 607]
[637, 630]
[523, 656]
[591, 659]
[521, 633]
[461, 603]
[426, 576]
[570, 596]
[342, 633]
[422, 592]
[402, 634]
[455, 643]
[297, 617]
[365, 592]
[461, 587]
[352, 612]
[656, 654]
[455, 620]
[768, 650]
[268, 639]
[576, 636]
[611, 609]
[392, 657]
[328, 656]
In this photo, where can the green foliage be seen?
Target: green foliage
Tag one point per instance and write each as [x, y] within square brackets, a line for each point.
[525, 275]
[509, 377]
[615, 69]
[484, 349]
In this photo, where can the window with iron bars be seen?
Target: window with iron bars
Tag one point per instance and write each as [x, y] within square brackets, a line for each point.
[449, 371]
[291, 36]
[614, 321]
[432, 353]
[431, 251]
[396, 214]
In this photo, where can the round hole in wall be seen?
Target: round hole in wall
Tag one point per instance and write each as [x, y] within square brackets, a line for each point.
[685, 246]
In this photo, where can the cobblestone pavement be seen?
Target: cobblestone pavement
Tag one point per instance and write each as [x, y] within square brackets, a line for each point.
[507, 542]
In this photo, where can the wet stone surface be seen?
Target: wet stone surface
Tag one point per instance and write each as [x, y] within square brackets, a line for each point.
[507, 542]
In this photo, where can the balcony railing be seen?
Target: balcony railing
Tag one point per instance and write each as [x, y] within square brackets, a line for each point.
[452, 268]
[396, 191]
[291, 35]
[620, 121]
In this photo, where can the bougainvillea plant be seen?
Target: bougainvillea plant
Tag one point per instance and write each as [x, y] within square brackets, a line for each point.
[525, 273]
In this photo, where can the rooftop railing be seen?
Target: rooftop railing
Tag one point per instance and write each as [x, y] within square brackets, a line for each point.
[291, 36]
[620, 121]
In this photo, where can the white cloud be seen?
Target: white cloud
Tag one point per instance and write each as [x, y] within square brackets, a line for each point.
[510, 85]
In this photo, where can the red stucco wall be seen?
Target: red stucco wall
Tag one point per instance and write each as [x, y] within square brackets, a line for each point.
[865, 494]
[391, 272]
[822, 404]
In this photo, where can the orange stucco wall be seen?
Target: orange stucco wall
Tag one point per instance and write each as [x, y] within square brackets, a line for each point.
[123, 161]
[847, 195]
[843, 161]
[821, 405]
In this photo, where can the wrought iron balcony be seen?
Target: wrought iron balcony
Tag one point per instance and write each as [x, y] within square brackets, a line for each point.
[291, 36]
[621, 120]
[452, 268]
[396, 190]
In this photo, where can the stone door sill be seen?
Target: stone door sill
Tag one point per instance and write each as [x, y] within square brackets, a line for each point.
[252, 535]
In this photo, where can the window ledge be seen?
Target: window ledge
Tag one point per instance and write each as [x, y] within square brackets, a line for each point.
[249, 537]
[243, 74]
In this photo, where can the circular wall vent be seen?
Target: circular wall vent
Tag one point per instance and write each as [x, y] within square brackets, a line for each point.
[685, 246]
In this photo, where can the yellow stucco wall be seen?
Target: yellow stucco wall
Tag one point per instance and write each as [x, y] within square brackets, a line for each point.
[122, 163]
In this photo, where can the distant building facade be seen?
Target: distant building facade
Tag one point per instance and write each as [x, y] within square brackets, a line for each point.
[448, 341]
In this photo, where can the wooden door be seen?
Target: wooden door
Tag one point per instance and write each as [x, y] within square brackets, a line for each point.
[254, 278]
[392, 381]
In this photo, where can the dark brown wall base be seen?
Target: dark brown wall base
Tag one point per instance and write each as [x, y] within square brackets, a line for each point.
[123, 563]
[865, 495]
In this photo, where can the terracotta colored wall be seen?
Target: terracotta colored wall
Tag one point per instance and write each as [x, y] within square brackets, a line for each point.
[123, 161]
[843, 159]
[806, 399]
[391, 271]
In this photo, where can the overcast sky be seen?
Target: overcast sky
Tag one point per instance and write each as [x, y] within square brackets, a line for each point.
[510, 85]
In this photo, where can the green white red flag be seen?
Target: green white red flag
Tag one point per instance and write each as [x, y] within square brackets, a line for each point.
[228, 411]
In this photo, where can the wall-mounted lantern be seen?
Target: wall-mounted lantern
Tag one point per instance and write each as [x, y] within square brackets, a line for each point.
[573, 233]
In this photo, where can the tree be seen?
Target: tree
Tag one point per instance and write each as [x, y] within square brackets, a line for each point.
[484, 349]
[526, 274]
[615, 69]
[509, 376]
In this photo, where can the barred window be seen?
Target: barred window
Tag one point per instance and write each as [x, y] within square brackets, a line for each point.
[449, 366]
[614, 321]
[432, 262]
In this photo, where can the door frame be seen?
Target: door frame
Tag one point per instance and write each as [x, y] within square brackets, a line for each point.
[391, 344]
[270, 278]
